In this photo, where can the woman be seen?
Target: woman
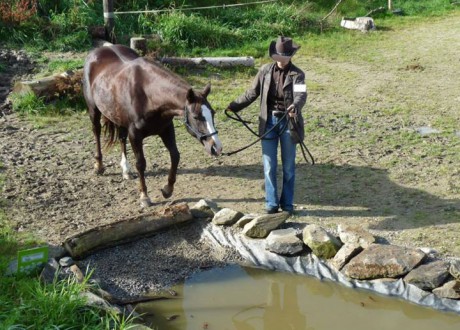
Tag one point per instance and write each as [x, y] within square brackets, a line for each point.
[282, 90]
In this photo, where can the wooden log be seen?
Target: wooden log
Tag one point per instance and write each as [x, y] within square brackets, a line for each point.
[358, 23]
[126, 230]
[214, 61]
[47, 87]
[139, 45]
[41, 87]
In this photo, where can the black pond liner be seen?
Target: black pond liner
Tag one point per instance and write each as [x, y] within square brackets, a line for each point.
[253, 251]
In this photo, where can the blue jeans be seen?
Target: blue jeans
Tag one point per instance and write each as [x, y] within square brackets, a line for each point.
[270, 161]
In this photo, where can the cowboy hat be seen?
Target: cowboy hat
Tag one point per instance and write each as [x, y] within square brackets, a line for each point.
[282, 49]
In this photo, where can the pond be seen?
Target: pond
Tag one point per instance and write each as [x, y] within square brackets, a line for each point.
[243, 298]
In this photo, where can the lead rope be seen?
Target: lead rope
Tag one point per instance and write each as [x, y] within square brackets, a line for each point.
[245, 123]
[238, 118]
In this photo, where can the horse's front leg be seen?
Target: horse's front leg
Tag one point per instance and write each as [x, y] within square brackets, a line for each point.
[169, 139]
[95, 116]
[136, 144]
[123, 134]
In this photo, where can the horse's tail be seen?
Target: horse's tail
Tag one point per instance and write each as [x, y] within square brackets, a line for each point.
[111, 132]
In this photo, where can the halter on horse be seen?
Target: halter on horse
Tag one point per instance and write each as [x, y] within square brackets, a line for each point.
[135, 99]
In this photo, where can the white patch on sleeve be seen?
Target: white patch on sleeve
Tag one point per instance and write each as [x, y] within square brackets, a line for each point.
[300, 88]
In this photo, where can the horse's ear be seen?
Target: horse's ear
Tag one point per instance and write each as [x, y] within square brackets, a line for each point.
[191, 98]
[207, 90]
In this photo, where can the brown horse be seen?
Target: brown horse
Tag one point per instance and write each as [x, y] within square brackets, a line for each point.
[135, 99]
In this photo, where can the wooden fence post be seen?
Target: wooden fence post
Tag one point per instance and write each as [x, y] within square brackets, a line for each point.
[109, 20]
[139, 44]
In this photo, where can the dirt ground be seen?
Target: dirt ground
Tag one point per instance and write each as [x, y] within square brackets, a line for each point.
[372, 169]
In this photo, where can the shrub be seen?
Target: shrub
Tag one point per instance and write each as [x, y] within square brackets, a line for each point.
[15, 12]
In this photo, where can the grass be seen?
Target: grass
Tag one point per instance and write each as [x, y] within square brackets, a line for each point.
[26, 303]
[57, 66]
[28, 103]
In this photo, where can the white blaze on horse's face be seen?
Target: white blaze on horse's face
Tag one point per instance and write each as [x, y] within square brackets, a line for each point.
[213, 142]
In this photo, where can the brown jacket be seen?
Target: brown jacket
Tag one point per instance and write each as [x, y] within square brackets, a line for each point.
[261, 86]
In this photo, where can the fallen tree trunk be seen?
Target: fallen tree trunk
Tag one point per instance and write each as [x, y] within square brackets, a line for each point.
[214, 61]
[126, 230]
[53, 86]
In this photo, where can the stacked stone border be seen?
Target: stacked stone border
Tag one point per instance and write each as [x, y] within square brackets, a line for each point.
[353, 257]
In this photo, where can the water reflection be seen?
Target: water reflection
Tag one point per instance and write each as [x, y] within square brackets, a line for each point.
[253, 299]
[281, 310]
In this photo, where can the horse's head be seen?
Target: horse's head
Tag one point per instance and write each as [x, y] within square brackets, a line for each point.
[199, 120]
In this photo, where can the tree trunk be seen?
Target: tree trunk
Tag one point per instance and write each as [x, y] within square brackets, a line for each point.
[49, 87]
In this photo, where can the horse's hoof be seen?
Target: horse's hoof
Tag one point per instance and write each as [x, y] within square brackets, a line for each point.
[166, 191]
[146, 202]
[127, 176]
[99, 170]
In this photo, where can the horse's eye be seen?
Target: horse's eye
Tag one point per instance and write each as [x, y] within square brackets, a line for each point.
[198, 117]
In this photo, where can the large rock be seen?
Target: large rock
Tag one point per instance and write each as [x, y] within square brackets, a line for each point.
[455, 269]
[51, 272]
[94, 300]
[226, 217]
[245, 219]
[284, 242]
[449, 290]
[346, 252]
[429, 276]
[204, 209]
[323, 244]
[262, 225]
[380, 261]
[355, 235]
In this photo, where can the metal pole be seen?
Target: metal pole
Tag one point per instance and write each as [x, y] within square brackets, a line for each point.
[109, 20]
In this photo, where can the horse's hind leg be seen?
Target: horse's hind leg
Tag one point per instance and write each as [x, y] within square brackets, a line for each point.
[95, 116]
[169, 139]
[123, 134]
[136, 144]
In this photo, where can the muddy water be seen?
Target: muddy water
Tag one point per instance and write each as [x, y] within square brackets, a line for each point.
[252, 299]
